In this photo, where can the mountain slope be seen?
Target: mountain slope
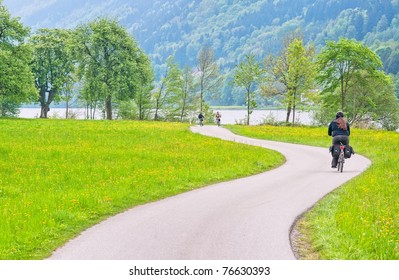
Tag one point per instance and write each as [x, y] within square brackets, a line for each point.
[232, 27]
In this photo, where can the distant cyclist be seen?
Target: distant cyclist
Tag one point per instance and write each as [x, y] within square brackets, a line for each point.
[218, 117]
[201, 119]
[339, 129]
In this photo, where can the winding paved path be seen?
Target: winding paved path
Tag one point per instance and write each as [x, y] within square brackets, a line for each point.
[249, 218]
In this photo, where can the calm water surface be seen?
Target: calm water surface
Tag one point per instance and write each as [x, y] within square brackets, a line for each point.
[228, 116]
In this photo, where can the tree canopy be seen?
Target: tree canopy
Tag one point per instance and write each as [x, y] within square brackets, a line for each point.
[339, 61]
[111, 64]
[352, 83]
[53, 65]
[290, 74]
[248, 75]
[16, 79]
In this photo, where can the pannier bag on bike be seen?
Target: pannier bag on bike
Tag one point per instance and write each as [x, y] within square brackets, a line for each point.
[348, 151]
[335, 150]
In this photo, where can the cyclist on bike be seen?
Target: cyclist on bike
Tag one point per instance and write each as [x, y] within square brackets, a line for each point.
[339, 129]
[201, 119]
[218, 117]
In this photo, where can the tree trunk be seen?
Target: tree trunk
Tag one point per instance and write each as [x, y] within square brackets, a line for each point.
[94, 108]
[248, 106]
[201, 101]
[293, 109]
[183, 109]
[288, 113]
[342, 95]
[44, 110]
[67, 109]
[156, 109]
[108, 107]
[45, 102]
[202, 93]
[42, 100]
[293, 115]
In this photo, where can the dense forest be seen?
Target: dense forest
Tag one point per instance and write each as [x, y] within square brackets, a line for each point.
[231, 27]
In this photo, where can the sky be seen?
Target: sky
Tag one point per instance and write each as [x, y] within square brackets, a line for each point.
[24, 8]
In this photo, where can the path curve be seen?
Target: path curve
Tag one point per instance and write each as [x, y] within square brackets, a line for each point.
[248, 218]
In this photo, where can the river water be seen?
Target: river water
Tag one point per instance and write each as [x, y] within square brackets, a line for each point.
[260, 116]
[228, 116]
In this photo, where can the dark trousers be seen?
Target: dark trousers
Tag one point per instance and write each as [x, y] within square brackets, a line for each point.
[338, 140]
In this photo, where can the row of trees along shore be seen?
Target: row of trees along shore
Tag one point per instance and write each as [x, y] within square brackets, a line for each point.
[102, 65]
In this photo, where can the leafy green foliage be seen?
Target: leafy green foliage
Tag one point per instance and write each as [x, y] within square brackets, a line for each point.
[348, 70]
[111, 64]
[300, 75]
[166, 96]
[291, 74]
[52, 65]
[16, 80]
[340, 61]
[248, 74]
[208, 72]
[177, 94]
[8, 107]
[373, 97]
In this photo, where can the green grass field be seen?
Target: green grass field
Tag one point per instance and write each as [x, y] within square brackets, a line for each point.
[59, 177]
[360, 220]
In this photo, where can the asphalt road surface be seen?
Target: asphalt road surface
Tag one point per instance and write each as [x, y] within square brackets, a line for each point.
[248, 218]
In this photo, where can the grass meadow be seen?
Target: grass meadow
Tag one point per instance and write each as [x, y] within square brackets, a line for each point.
[58, 177]
[360, 220]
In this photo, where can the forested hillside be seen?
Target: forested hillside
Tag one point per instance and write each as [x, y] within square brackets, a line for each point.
[232, 27]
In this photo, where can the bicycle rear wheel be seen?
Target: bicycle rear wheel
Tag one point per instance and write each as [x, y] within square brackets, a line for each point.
[340, 166]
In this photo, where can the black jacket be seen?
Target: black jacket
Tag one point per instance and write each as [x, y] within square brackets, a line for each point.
[334, 130]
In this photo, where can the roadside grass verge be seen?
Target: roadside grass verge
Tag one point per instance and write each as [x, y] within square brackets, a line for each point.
[59, 177]
[359, 220]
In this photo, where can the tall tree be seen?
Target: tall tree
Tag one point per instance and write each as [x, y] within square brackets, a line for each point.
[174, 87]
[168, 86]
[52, 65]
[89, 93]
[247, 75]
[208, 72]
[175, 96]
[68, 95]
[143, 100]
[112, 60]
[339, 62]
[372, 98]
[187, 94]
[16, 78]
[159, 96]
[301, 74]
[289, 74]
[181, 93]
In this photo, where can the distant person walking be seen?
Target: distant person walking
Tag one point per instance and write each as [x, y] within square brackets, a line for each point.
[218, 117]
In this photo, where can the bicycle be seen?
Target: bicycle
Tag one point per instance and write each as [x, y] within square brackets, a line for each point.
[218, 122]
[201, 119]
[217, 118]
[341, 158]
